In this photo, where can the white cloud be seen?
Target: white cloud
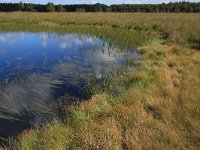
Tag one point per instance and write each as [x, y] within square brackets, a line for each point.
[93, 1]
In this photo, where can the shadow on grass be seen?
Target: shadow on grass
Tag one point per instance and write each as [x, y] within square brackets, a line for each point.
[194, 41]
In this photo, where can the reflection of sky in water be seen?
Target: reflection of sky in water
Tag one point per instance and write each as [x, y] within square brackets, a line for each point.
[37, 68]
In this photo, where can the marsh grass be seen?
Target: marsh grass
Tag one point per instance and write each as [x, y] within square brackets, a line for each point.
[155, 107]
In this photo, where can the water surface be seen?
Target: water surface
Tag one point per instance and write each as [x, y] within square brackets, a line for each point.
[37, 68]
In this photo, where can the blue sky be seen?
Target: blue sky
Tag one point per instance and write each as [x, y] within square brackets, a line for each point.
[108, 2]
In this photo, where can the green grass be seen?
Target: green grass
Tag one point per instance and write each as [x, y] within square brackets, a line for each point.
[155, 107]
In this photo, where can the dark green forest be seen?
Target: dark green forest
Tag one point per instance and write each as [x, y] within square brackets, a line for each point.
[50, 7]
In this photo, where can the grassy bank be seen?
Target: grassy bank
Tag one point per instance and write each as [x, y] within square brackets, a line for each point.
[155, 107]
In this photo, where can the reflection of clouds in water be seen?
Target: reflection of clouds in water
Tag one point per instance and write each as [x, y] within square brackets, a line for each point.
[22, 35]
[43, 37]
[7, 39]
[63, 45]
[44, 43]
[10, 38]
[99, 62]
[77, 39]
[66, 40]
[69, 41]
[102, 57]
[103, 60]
[91, 40]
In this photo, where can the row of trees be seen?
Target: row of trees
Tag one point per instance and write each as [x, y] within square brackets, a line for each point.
[50, 7]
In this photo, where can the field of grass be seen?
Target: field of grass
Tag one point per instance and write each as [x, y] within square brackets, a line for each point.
[155, 107]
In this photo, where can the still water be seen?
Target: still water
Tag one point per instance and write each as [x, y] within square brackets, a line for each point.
[37, 68]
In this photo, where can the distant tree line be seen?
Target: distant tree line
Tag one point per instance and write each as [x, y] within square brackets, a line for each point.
[50, 7]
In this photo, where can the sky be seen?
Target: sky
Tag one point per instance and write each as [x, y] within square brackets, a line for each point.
[108, 2]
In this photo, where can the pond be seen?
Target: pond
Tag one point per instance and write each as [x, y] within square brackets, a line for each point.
[38, 68]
